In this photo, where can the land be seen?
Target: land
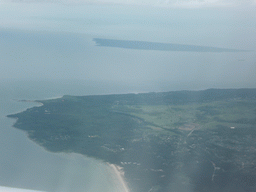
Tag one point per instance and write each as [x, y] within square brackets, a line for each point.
[186, 141]
[145, 45]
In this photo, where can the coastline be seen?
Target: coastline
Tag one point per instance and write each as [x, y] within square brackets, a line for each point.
[60, 161]
[35, 101]
[120, 176]
[118, 172]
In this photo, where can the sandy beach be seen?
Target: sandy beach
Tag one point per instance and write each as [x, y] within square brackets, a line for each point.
[120, 176]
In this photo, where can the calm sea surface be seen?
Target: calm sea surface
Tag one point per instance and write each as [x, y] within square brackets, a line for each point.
[24, 164]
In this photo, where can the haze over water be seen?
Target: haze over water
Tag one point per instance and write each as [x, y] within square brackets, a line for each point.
[48, 49]
[56, 41]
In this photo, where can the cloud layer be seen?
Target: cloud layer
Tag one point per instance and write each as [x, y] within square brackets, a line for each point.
[157, 3]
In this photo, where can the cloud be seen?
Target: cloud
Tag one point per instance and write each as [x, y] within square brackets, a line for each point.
[154, 3]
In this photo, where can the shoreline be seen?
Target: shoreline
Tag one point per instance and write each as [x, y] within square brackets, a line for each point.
[35, 101]
[120, 176]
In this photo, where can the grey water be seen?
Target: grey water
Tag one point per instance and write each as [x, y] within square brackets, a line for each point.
[24, 164]
[199, 49]
[125, 62]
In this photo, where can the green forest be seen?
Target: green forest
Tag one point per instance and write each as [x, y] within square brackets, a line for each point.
[191, 141]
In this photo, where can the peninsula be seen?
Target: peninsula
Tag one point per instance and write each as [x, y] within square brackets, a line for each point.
[186, 141]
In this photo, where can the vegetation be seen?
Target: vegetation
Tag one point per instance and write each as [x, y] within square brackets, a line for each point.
[174, 141]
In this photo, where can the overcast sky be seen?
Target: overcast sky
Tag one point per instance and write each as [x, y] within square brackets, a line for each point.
[162, 3]
[41, 39]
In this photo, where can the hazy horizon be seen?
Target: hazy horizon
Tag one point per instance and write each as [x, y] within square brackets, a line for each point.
[51, 48]
[41, 41]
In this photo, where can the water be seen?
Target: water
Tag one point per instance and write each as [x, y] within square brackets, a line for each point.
[23, 164]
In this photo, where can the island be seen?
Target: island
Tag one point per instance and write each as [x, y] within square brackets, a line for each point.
[185, 141]
[146, 45]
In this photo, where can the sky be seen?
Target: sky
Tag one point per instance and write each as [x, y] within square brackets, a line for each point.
[53, 40]
[154, 3]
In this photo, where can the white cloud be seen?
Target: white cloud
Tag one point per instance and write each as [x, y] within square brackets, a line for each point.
[157, 3]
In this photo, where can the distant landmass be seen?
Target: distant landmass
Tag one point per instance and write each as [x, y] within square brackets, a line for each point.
[145, 45]
[185, 141]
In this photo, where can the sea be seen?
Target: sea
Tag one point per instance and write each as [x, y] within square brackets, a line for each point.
[26, 165]
[43, 41]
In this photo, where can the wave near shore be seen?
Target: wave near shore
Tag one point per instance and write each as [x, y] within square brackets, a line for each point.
[120, 176]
